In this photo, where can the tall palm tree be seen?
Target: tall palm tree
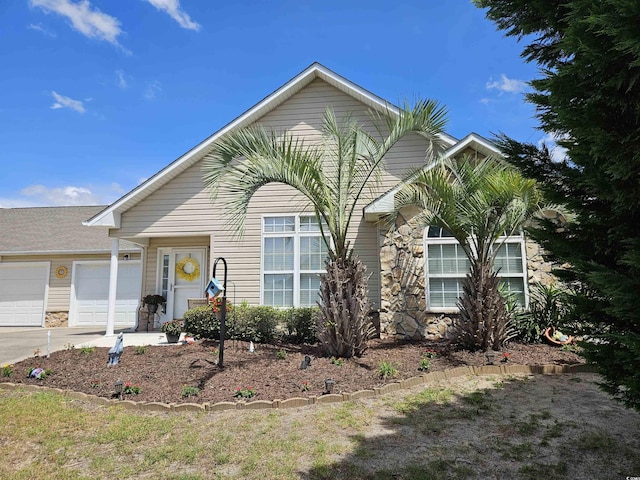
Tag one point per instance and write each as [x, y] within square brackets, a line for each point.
[480, 202]
[334, 176]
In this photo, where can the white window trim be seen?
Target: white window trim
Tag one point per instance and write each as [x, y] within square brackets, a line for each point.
[296, 235]
[519, 239]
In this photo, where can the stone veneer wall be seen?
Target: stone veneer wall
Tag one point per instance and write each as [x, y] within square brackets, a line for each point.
[403, 302]
[56, 319]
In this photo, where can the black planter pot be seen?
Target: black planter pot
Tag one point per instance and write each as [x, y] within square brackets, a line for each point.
[152, 308]
[172, 338]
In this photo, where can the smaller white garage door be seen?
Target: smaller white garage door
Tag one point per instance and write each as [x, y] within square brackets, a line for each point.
[23, 291]
[90, 294]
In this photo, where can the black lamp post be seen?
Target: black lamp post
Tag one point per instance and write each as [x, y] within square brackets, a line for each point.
[223, 315]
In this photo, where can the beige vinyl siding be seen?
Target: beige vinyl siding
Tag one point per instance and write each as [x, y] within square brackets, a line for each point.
[182, 207]
[60, 288]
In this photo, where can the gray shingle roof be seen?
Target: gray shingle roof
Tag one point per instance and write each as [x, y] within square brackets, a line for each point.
[53, 229]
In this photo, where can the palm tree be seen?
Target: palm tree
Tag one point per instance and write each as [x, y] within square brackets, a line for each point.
[334, 176]
[480, 202]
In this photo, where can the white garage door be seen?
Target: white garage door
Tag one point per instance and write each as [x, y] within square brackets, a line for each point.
[90, 294]
[23, 290]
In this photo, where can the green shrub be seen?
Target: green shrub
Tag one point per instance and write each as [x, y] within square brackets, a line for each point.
[548, 304]
[242, 322]
[202, 322]
[301, 324]
[547, 307]
[254, 323]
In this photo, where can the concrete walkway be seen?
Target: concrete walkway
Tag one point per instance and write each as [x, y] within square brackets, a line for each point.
[19, 343]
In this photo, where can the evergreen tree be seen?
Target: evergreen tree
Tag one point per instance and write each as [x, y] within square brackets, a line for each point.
[589, 97]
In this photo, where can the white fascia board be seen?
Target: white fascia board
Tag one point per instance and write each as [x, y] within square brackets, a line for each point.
[385, 203]
[473, 139]
[106, 218]
[66, 252]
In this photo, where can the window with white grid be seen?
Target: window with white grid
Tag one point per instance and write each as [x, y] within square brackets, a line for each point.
[293, 255]
[446, 265]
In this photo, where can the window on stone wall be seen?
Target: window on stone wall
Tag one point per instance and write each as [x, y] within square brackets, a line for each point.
[293, 255]
[446, 265]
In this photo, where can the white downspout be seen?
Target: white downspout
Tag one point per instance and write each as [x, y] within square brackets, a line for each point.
[113, 285]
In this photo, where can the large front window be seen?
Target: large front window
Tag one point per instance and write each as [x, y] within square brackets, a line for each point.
[293, 255]
[446, 266]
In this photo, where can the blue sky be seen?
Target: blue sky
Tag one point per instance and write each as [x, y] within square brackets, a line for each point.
[96, 96]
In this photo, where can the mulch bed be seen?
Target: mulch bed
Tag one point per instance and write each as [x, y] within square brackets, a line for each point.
[161, 372]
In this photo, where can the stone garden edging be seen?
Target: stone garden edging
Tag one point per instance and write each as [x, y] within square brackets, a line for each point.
[304, 401]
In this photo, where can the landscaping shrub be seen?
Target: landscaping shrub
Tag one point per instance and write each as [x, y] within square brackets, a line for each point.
[548, 304]
[202, 322]
[252, 323]
[547, 307]
[301, 324]
[526, 327]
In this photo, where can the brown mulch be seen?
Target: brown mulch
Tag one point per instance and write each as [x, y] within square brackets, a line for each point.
[162, 371]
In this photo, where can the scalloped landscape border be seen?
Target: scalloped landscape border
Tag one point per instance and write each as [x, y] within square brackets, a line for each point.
[304, 401]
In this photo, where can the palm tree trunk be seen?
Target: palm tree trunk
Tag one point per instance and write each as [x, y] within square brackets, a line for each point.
[344, 325]
[483, 320]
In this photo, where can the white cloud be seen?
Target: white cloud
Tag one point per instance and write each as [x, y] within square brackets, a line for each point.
[68, 195]
[121, 79]
[41, 195]
[39, 28]
[152, 90]
[506, 84]
[557, 152]
[172, 7]
[84, 18]
[66, 102]
[485, 101]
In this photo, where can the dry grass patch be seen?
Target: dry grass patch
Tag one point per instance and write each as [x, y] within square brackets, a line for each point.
[526, 427]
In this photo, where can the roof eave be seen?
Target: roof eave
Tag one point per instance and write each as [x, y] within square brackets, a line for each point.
[66, 252]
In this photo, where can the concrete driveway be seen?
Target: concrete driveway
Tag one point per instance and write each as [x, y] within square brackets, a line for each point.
[18, 343]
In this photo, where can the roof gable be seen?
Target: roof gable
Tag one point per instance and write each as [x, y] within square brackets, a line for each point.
[110, 216]
[385, 203]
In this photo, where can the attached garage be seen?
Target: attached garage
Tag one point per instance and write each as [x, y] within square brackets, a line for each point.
[90, 293]
[23, 293]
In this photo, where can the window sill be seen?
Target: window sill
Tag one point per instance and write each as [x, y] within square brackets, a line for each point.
[443, 310]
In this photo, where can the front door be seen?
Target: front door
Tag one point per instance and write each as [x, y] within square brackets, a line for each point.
[181, 274]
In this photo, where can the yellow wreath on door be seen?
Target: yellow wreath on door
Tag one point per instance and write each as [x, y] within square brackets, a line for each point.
[188, 269]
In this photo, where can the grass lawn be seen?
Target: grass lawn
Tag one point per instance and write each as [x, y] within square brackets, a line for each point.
[555, 427]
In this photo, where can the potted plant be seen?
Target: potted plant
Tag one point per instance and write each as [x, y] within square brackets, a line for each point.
[172, 330]
[152, 302]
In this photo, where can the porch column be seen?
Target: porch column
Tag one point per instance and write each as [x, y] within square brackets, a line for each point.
[113, 285]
